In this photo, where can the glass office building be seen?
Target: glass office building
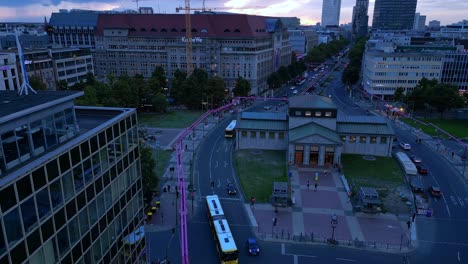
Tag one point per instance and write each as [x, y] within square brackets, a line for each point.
[394, 14]
[70, 181]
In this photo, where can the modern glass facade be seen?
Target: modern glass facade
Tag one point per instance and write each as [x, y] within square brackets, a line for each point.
[78, 194]
[394, 14]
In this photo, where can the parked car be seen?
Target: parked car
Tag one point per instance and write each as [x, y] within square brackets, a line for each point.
[267, 107]
[231, 189]
[422, 170]
[295, 91]
[252, 247]
[435, 191]
[416, 159]
[405, 146]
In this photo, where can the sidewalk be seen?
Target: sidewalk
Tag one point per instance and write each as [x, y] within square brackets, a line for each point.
[309, 219]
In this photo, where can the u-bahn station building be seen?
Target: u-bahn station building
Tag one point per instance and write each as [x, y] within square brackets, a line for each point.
[314, 132]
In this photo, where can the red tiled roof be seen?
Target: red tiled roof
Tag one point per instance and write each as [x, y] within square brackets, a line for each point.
[216, 25]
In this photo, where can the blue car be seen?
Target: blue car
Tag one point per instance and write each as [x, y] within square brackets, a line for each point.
[252, 247]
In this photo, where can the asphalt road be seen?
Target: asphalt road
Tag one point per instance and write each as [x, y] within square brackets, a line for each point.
[442, 238]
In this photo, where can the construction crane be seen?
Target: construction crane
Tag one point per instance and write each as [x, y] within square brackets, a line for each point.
[188, 28]
[136, 1]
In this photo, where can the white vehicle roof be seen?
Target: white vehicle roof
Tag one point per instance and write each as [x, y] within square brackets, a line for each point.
[214, 206]
[231, 125]
[135, 236]
[224, 236]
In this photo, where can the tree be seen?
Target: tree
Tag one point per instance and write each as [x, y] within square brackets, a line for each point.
[159, 77]
[350, 75]
[284, 74]
[242, 87]
[216, 91]
[444, 97]
[89, 98]
[274, 80]
[177, 89]
[159, 103]
[194, 89]
[36, 83]
[149, 177]
[399, 94]
[61, 85]
[123, 94]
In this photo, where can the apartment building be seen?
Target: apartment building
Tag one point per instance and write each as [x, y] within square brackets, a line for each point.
[9, 79]
[385, 69]
[225, 45]
[72, 64]
[70, 181]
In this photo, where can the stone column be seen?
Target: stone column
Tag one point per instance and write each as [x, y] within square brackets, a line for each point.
[337, 155]
[306, 157]
[321, 158]
[291, 153]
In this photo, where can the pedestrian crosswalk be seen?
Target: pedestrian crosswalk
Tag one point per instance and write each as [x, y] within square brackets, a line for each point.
[458, 201]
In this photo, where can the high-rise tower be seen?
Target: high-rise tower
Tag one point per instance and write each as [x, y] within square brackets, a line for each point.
[360, 18]
[331, 13]
[394, 14]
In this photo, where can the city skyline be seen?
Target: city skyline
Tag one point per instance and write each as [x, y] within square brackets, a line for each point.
[309, 11]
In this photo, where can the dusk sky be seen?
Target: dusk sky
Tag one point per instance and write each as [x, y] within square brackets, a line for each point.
[309, 11]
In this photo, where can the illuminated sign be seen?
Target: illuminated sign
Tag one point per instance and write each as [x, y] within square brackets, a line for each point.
[193, 40]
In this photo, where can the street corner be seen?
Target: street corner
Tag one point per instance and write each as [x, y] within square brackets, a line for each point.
[383, 230]
[266, 220]
[320, 199]
[320, 225]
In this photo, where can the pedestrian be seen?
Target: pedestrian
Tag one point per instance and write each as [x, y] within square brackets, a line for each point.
[168, 188]
[409, 224]
[185, 146]
[414, 216]
[308, 185]
[453, 154]
[316, 185]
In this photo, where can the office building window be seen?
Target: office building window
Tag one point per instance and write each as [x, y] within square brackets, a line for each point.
[383, 140]
[253, 134]
[373, 140]
[281, 135]
[244, 133]
[262, 134]
[362, 139]
[271, 135]
[352, 139]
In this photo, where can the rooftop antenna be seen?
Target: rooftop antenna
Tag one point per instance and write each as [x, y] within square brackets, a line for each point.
[25, 87]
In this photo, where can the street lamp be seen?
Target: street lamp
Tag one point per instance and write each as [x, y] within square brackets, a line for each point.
[334, 224]
[463, 158]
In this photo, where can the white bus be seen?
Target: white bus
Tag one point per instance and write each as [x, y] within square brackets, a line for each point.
[227, 249]
[231, 129]
[407, 165]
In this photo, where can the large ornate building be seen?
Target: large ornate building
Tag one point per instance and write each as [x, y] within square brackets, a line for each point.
[225, 45]
[315, 133]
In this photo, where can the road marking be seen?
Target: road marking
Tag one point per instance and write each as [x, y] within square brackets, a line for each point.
[344, 259]
[296, 259]
[460, 200]
[454, 200]
[229, 199]
[216, 166]
[219, 183]
[448, 211]
[283, 249]
[225, 164]
[458, 256]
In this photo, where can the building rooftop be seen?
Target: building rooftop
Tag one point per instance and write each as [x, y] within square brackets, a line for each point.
[203, 25]
[311, 101]
[271, 125]
[13, 105]
[264, 116]
[74, 19]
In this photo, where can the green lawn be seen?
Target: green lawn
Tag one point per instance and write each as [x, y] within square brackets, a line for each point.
[378, 173]
[257, 170]
[457, 128]
[171, 119]
[161, 157]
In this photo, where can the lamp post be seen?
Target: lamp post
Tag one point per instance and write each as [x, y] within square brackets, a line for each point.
[334, 224]
[463, 158]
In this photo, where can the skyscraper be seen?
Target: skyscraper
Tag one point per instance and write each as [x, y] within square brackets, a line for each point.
[419, 22]
[331, 13]
[360, 18]
[394, 14]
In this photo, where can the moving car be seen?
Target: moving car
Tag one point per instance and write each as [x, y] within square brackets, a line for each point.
[422, 170]
[231, 189]
[416, 159]
[252, 247]
[435, 191]
[405, 146]
[267, 107]
[295, 92]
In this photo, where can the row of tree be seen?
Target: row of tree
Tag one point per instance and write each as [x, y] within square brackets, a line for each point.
[316, 55]
[430, 94]
[352, 72]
